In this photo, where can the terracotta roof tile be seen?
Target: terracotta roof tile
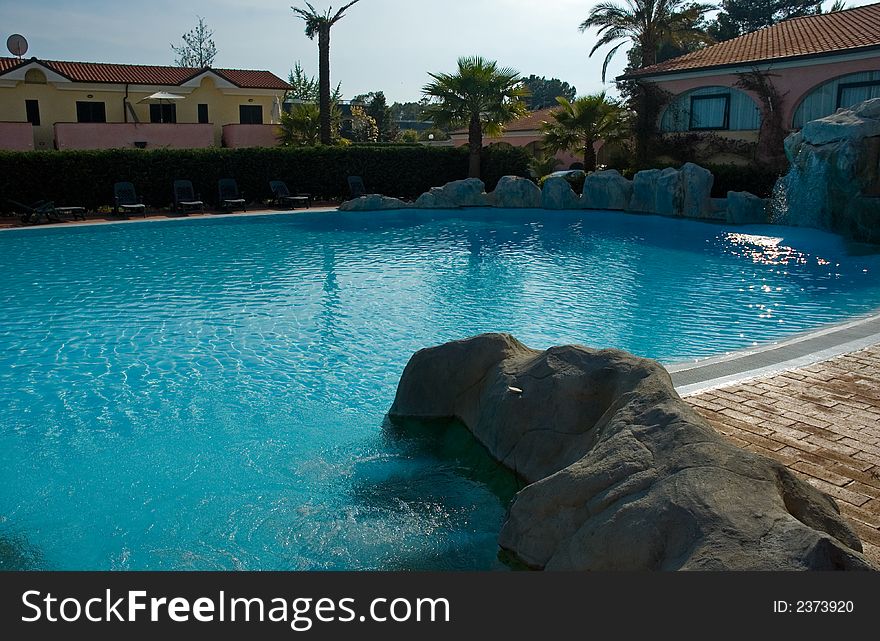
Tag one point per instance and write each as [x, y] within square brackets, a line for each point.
[811, 35]
[100, 72]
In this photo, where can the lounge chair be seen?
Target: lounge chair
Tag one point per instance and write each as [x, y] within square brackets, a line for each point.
[74, 212]
[125, 200]
[185, 198]
[41, 210]
[283, 197]
[356, 186]
[229, 196]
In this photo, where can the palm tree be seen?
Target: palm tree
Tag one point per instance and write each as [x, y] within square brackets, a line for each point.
[578, 125]
[301, 125]
[480, 96]
[320, 24]
[647, 24]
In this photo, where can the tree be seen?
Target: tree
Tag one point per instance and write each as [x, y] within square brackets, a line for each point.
[543, 92]
[647, 24]
[305, 87]
[363, 126]
[771, 135]
[543, 164]
[408, 110]
[198, 48]
[480, 96]
[377, 107]
[738, 17]
[318, 24]
[379, 110]
[301, 125]
[578, 125]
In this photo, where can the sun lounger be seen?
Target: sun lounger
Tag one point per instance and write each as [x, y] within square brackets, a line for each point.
[185, 198]
[229, 196]
[126, 200]
[283, 197]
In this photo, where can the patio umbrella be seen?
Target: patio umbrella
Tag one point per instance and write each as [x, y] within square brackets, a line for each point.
[162, 98]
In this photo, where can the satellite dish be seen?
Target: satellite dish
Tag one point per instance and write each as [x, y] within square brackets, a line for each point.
[17, 45]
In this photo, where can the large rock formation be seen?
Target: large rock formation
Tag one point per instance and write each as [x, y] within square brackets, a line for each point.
[606, 190]
[744, 208]
[834, 179]
[373, 202]
[470, 192]
[622, 473]
[696, 187]
[515, 192]
[558, 194]
[672, 192]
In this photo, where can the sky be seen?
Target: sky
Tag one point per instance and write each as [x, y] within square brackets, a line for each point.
[380, 45]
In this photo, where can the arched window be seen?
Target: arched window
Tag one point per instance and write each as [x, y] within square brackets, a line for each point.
[35, 77]
[711, 109]
[843, 91]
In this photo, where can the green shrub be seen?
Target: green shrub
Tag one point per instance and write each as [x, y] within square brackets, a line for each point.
[86, 178]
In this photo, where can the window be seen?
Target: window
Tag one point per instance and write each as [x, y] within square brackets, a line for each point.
[32, 107]
[250, 114]
[850, 94]
[90, 111]
[710, 112]
[203, 114]
[163, 113]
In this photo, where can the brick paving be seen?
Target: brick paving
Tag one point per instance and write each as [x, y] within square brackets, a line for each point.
[822, 421]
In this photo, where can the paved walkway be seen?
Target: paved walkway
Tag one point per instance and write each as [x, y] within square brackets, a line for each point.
[11, 222]
[822, 421]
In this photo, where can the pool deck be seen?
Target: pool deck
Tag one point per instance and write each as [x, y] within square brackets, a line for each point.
[821, 420]
[13, 222]
[811, 402]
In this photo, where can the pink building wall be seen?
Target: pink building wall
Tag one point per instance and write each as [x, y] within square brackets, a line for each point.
[796, 82]
[121, 135]
[518, 139]
[16, 136]
[238, 136]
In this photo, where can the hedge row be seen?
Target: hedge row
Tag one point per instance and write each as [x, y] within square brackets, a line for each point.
[86, 178]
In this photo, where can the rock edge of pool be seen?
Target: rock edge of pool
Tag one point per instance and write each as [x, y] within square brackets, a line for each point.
[622, 474]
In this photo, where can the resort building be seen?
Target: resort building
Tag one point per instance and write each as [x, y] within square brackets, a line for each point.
[817, 64]
[48, 104]
[522, 132]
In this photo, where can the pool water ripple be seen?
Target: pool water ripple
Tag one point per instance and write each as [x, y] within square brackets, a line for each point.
[210, 394]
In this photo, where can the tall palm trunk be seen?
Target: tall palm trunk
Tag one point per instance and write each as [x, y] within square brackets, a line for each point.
[475, 143]
[324, 82]
[589, 156]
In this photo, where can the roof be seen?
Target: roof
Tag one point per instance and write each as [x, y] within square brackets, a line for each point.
[100, 72]
[530, 122]
[820, 35]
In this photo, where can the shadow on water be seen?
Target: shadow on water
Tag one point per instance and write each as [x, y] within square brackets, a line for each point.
[449, 441]
[16, 554]
[444, 476]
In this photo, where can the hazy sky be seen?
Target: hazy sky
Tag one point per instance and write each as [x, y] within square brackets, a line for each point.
[387, 45]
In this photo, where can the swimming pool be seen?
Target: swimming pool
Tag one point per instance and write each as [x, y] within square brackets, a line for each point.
[210, 394]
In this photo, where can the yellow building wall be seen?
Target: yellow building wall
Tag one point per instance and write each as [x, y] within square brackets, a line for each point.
[59, 105]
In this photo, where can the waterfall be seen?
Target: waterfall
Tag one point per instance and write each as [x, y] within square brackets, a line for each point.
[831, 182]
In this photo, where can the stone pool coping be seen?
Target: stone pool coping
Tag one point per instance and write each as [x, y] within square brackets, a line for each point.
[801, 350]
[822, 421]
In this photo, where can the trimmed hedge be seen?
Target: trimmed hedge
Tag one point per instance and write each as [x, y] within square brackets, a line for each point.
[86, 178]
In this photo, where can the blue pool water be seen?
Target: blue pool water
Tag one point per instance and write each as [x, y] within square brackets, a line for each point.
[210, 394]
